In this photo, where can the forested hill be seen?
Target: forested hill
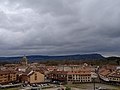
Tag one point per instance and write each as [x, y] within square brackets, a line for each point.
[32, 58]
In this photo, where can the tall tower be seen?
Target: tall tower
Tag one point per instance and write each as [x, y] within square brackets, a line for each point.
[24, 61]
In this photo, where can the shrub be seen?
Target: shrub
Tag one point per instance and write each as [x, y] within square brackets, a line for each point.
[68, 88]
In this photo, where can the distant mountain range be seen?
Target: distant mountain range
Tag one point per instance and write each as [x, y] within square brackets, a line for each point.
[32, 58]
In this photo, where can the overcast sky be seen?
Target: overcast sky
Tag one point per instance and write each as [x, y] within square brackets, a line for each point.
[57, 27]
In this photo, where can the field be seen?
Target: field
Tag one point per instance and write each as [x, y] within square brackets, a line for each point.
[90, 86]
[10, 89]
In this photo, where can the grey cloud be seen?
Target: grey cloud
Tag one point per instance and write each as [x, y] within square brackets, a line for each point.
[56, 27]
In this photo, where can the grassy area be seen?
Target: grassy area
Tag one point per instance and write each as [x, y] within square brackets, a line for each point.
[80, 86]
[10, 89]
[90, 86]
[87, 86]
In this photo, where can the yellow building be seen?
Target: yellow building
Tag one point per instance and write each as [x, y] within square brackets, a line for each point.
[33, 76]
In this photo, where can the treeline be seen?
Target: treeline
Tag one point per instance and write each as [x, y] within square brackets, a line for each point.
[113, 60]
[109, 60]
[5, 62]
[71, 62]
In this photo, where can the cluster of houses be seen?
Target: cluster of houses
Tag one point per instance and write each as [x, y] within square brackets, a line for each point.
[73, 74]
[110, 73]
[22, 72]
[39, 73]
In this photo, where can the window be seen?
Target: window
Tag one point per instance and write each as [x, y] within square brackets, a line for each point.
[70, 77]
[35, 76]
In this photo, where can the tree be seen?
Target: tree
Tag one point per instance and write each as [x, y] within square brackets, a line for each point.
[118, 62]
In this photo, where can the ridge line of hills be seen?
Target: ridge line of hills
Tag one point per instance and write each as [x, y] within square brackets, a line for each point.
[32, 58]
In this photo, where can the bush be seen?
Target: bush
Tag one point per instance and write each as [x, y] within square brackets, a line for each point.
[68, 88]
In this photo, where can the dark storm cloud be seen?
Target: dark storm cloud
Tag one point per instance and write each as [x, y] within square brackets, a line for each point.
[59, 27]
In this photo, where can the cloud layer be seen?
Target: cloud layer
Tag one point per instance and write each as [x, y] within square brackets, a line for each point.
[55, 27]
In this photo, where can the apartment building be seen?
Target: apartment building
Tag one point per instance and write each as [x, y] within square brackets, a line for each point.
[7, 77]
[79, 77]
[58, 75]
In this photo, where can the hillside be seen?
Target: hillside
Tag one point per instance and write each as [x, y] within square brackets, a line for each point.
[32, 58]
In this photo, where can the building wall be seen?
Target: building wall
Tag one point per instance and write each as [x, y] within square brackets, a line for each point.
[116, 79]
[36, 77]
[13, 77]
[24, 78]
[3, 78]
[79, 78]
[7, 77]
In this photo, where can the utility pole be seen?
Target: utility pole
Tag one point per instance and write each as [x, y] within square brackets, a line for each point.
[94, 83]
[93, 76]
